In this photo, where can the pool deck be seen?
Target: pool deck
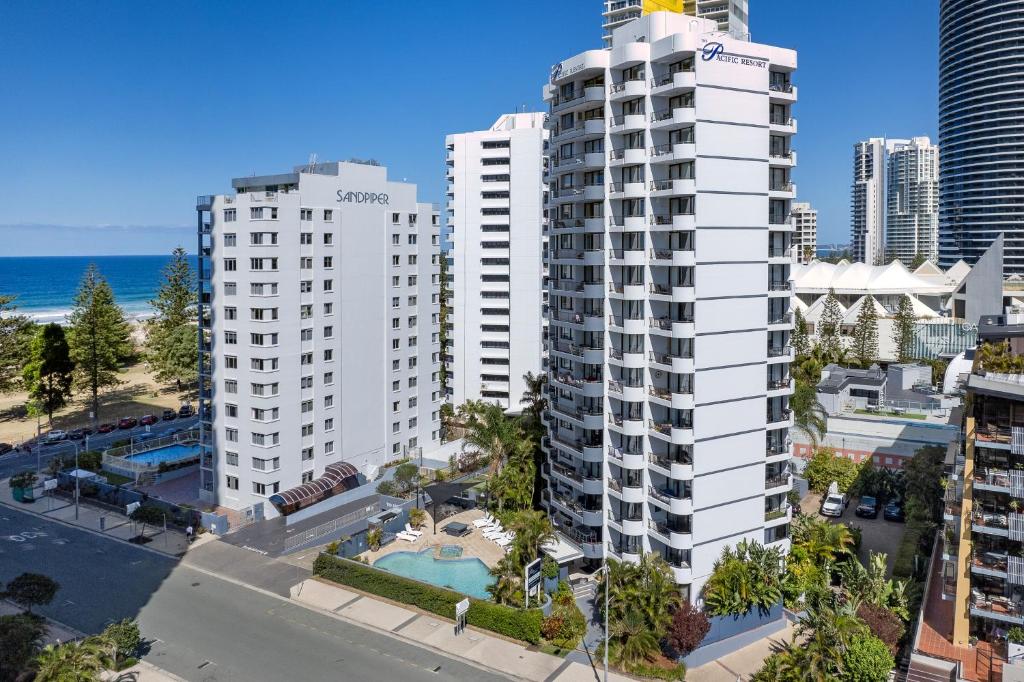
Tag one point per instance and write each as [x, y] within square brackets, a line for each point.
[473, 545]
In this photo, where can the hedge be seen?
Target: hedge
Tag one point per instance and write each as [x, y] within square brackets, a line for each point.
[521, 624]
[903, 564]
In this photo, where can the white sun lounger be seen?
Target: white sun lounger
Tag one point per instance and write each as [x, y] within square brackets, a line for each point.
[406, 536]
[504, 541]
[493, 533]
[487, 520]
[409, 529]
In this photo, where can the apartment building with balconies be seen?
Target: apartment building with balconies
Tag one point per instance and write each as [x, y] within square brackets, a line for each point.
[495, 212]
[669, 295]
[983, 537]
[805, 232]
[730, 15]
[319, 310]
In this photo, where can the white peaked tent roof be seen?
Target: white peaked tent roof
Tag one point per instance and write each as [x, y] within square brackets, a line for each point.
[959, 270]
[920, 309]
[861, 278]
[799, 305]
[928, 268]
[814, 311]
[854, 310]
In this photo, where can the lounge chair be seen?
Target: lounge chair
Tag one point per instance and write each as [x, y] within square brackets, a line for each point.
[494, 533]
[487, 520]
[402, 535]
[409, 529]
[503, 541]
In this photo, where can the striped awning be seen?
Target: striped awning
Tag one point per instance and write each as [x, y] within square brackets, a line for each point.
[336, 478]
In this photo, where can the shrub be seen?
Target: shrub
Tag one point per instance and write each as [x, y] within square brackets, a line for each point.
[566, 625]
[688, 628]
[25, 479]
[374, 537]
[21, 636]
[388, 488]
[885, 624]
[551, 628]
[332, 547]
[518, 624]
[674, 672]
[125, 637]
[417, 517]
[826, 466]
[903, 564]
[90, 460]
[549, 568]
[867, 659]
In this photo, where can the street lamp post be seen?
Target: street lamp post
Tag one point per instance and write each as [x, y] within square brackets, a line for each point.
[76, 482]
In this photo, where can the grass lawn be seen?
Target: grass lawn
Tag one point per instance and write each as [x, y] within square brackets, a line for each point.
[888, 413]
[116, 479]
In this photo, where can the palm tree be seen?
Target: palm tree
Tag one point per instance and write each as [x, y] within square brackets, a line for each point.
[826, 542]
[74, 661]
[808, 414]
[507, 588]
[633, 641]
[533, 530]
[533, 396]
[490, 433]
[658, 595]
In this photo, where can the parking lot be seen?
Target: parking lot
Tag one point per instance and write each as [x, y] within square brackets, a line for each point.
[877, 535]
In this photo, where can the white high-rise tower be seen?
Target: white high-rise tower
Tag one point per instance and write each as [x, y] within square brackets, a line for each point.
[912, 201]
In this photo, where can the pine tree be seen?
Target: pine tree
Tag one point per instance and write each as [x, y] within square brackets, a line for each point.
[801, 344]
[172, 346]
[49, 372]
[865, 335]
[100, 338]
[16, 334]
[903, 330]
[829, 328]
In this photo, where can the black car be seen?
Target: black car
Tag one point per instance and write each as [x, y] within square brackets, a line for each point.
[76, 434]
[185, 411]
[893, 511]
[868, 507]
[169, 415]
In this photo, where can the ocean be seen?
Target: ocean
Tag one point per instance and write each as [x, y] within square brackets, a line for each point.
[45, 286]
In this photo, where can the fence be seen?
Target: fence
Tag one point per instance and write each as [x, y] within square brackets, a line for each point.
[325, 529]
[114, 459]
[115, 498]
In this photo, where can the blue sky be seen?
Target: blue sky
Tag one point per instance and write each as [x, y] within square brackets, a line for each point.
[113, 116]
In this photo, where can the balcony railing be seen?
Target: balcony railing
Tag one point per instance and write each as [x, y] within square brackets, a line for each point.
[778, 351]
[660, 427]
[774, 416]
[777, 513]
[780, 87]
[785, 318]
[666, 495]
[778, 384]
[776, 481]
[666, 114]
[779, 286]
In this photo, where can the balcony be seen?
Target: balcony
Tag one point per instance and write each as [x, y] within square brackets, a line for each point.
[776, 513]
[777, 419]
[1000, 607]
[779, 481]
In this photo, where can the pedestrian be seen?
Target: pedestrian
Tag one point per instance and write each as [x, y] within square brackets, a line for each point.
[188, 533]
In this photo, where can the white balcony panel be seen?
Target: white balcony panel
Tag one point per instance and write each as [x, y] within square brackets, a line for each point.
[737, 142]
[729, 382]
[715, 246]
[717, 350]
[731, 279]
[727, 452]
[724, 487]
[722, 526]
[724, 418]
[730, 313]
[727, 73]
[730, 175]
[732, 210]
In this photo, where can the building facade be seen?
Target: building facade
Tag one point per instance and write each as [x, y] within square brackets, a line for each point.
[912, 201]
[730, 16]
[669, 295]
[495, 212]
[981, 81]
[805, 232]
[319, 307]
[867, 202]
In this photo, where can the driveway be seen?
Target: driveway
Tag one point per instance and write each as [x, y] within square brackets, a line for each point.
[877, 535]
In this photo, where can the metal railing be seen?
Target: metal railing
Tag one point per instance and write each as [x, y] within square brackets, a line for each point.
[324, 529]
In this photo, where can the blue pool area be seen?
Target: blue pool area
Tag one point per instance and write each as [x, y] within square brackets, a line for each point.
[166, 455]
[468, 576]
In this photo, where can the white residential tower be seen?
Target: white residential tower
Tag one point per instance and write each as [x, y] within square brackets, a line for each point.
[912, 201]
[805, 232]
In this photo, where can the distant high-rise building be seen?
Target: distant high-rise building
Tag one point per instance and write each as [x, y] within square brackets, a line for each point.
[981, 131]
[912, 201]
[867, 200]
[731, 15]
[805, 231]
[499, 237]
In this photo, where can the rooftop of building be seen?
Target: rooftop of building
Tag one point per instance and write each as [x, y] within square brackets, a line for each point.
[845, 277]
[834, 378]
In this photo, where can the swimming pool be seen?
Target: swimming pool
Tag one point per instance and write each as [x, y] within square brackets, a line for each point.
[468, 576]
[167, 454]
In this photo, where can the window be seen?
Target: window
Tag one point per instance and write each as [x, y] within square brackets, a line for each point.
[264, 440]
[413, 401]
[263, 390]
[306, 406]
[306, 382]
[412, 260]
[232, 482]
[305, 312]
[307, 454]
[307, 476]
[231, 458]
[329, 447]
[305, 214]
[263, 238]
[412, 362]
[328, 355]
[328, 308]
[231, 435]
[412, 220]
[230, 265]
[328, 215]
[396, 406]
[265, 415]
[396, 344]
[306, 359]
[412, 300]
[328, 285]
[258, 264]
[396, 281]
[230, 239]
[413, 422]
[396, 427]
[263, 339]
[230, 288]
[262, 314]
[412, 342]
[263, 364]
[256, 213]
[328, 332]
[396, 302]
[328, 261]
[396, 365]
[412, 321]
[412, 280]
[230, 410]
[264, 489]
[306, 238]
[395, 218]
[396, 386]
[306, 263]
[328, 378]
[307, 430]
[412, 239]
[328, 401]
[306, 286]
[395, 239]
[263, 289]
[231, 338]
[266, 464]
[329, 424]
[328, 239]
[396, 261]
[231, 386]
[230, 313]
[229, 215]
[395, 323]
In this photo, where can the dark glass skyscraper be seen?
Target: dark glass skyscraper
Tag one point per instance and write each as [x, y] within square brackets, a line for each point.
[981, 130]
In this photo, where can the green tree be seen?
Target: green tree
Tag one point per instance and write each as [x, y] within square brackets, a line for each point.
[903, 330]
[49, 373]
[826, 466]
[126, 639]
[21, 636]
[918, 261]
[31, 589]
[74, 661]
[924, 492]
[100, 338]
[808, 415]
[147, 515]
[865, 334]
[867, 659]
[829, 328]
[172, 349]
[632, 641]
[746, 577]
[800, 339]
[16, 334]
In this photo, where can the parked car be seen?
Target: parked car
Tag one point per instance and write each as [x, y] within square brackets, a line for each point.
[894, 511]
[54, 436]
[5, 448]
[834, 505]
[76, 434]
[127, 423]
[144, 437]
[169, 415]
[148, 420]
[868, 507]
[106, 428]
[186, 411]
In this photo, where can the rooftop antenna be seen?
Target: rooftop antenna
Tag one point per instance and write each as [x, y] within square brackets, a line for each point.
[312, 163]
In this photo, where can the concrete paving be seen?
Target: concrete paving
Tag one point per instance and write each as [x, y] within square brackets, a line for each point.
[742, 664]
[877, 535]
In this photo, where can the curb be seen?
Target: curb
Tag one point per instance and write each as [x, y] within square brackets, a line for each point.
[94, 532]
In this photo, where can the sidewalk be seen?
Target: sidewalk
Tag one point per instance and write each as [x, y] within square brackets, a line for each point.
[491, 652]
[115, 525]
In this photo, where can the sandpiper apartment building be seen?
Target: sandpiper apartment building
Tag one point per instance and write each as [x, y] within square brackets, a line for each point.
[669, 294]
[319, 297]
[495, 213]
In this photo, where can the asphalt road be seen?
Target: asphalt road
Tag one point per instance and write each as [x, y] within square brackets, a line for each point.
[12, 463]
[201, 627]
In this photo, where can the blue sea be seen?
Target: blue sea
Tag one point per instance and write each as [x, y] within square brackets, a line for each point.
[45, 286]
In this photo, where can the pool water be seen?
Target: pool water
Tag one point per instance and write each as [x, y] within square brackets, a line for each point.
[450, 551]
[468, 576]
[171, 453]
